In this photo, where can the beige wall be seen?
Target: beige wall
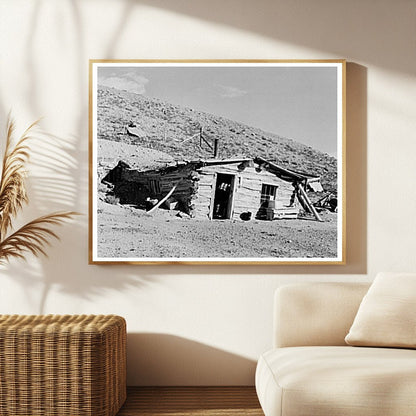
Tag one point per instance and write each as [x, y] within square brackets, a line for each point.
[205, 325]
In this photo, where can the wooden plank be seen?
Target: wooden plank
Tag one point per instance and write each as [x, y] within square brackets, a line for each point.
[250, 188]
[309, 203]
[206, 173]
[247, 203]
[286, 215]
[242, 193]
[202, 207]
[162, 200]
[184, 185]
[248, 174]
[191, 401]
[254, 203]
[201, 201]
[207, 181]
[248, 197]
[205, 193]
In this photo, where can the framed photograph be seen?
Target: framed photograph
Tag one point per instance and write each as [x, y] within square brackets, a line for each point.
[214, 162]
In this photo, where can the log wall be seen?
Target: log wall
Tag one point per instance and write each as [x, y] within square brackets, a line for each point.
[195, 188]
[157, 184]
[247, 191]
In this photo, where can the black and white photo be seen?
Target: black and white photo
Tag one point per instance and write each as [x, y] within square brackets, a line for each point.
[217, 162]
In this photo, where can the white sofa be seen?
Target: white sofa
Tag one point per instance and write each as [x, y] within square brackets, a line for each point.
[311, 371]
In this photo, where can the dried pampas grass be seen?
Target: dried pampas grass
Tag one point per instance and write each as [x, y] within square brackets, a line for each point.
[34, 236]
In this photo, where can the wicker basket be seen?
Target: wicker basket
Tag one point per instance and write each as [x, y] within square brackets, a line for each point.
[72, 365]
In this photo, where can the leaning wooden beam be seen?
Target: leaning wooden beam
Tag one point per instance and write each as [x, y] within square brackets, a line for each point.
[309, 203]
[163, 199]
[319, 201]
[290, 173]
[207, 142]
[190, 138]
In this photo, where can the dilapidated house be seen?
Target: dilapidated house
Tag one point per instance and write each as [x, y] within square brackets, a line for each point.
[241, 188]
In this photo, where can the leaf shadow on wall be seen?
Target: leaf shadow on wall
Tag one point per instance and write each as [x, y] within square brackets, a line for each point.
[53, 186]
[335, 27]
[60, 182]
[164, 359]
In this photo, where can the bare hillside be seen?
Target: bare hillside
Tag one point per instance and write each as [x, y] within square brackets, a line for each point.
[175, 131]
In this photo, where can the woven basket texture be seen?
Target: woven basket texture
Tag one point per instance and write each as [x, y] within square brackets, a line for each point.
[62, 365]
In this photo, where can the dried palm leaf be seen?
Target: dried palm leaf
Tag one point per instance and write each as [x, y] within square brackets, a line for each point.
[12, 183]
[33, 237]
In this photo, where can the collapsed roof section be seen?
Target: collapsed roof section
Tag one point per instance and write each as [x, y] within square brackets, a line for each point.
[309, 181]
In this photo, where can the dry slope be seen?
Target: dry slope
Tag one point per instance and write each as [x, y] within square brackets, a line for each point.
[168, 128]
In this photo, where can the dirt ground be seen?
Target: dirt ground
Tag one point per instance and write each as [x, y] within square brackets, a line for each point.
[126, 232]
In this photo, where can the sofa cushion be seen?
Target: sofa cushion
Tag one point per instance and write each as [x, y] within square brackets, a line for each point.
[315, 314]
[387, 314]
[342, 381]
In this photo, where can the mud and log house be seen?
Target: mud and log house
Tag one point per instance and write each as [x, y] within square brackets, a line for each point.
[244, 188]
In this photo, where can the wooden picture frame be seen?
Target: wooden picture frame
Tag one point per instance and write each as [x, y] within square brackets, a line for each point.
[217, 162]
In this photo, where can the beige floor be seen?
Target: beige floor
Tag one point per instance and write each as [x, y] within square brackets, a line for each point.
[187, 401]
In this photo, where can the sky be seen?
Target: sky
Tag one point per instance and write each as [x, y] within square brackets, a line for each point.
[294, 102]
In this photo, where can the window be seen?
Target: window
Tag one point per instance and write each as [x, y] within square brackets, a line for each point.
[268, 193]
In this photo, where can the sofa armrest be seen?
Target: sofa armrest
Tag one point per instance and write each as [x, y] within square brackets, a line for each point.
[309, 314]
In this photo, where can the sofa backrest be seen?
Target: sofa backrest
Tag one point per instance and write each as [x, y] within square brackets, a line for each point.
[309, 314]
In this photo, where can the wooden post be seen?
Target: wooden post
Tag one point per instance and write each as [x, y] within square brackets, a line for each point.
[309, 203]
[216, 147]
